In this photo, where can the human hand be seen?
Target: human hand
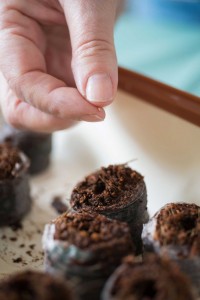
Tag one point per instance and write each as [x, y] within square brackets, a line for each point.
[57, 61]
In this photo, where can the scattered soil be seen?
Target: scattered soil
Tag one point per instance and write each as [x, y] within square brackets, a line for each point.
[29, 253]
[17, 260]
[58, 204]
[32, 247]
[13, 239]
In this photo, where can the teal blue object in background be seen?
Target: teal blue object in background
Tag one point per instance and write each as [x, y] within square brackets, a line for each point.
[179, 10]
[165, 50]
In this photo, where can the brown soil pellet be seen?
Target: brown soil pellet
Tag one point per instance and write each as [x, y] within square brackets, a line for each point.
[86, 230]
[195, 248]
[34, 285]
[156, 278]
[36, 146]
[179, 224]
[10, 162]
[109, 186]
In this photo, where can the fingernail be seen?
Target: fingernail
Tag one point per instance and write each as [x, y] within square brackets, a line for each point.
[99, 88]
[93, 118]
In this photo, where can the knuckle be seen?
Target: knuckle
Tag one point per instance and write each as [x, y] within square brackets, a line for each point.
[11, 108]
[15, 83]
[8, 19]
[96, 47]
[12, 82]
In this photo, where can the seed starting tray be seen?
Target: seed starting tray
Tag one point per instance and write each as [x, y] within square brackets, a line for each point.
[162, 147]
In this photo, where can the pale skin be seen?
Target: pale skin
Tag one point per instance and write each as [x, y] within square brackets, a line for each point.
[57, 61]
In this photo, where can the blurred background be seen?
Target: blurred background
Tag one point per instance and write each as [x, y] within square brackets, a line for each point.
[161, 39]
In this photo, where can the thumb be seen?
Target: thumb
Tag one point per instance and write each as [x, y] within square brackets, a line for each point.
[94, 63]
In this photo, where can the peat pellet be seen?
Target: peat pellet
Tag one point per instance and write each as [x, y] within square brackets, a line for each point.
[15, 200]
[37, 146]
[117, 192]
[154, 278]
[175, 231]
[85, 248]
[31, 285]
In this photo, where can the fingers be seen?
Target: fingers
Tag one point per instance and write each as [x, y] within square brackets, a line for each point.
[22, 62]
[23, 116]
[94, 62]
[45, 11]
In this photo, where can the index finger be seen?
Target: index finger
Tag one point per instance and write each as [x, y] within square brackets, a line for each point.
[23, 65]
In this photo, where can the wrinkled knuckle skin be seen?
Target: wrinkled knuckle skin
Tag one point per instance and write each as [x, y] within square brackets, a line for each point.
[93, 48]
[8, 17]
[15, 84]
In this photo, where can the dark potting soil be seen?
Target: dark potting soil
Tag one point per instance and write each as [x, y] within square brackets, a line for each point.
[155, 278]
[179, 224]
[34, 285]
[111, 186]
[85, 230]
[11, 163]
